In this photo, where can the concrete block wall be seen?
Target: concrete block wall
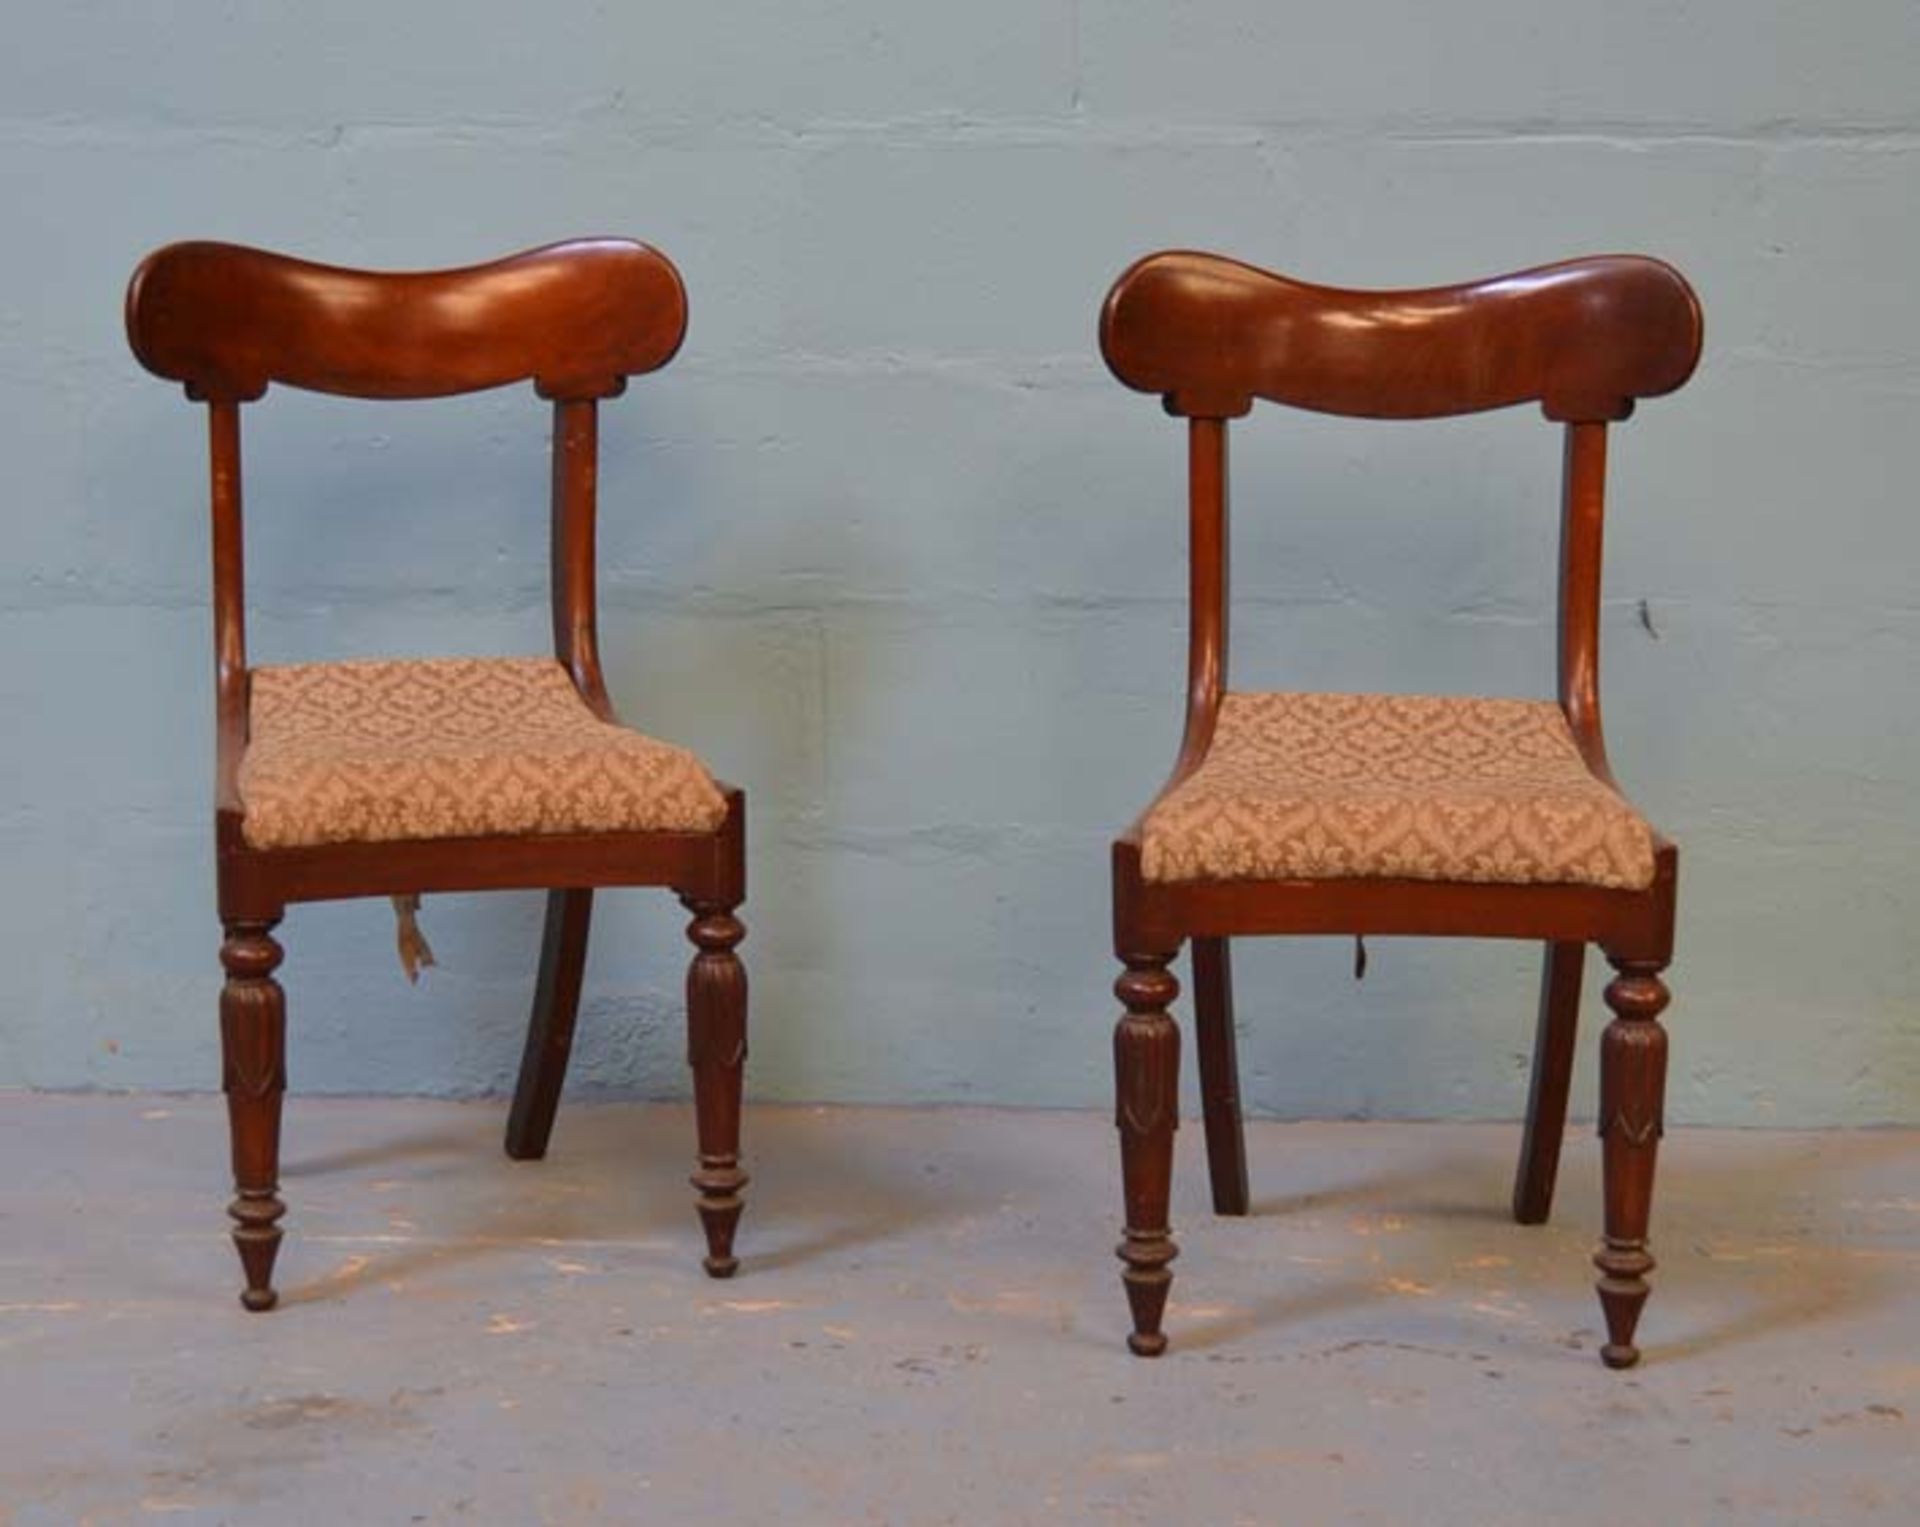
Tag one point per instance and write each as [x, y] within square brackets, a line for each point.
[889, 547]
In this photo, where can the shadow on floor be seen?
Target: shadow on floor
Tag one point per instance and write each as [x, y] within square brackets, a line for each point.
[615, 1175]
[1703, 1209]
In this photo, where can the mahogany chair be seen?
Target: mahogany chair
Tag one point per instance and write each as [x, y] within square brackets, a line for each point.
[1376, 814]
[395, 778]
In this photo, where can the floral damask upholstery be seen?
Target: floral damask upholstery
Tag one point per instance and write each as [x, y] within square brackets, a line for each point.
[1335, 786]
[452, 747]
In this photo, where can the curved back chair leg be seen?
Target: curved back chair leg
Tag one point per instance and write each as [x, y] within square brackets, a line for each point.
[1553, 1042]
[1219, 1074]
[556, 1001]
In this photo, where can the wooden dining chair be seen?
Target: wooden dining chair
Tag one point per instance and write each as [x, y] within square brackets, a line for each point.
[401, 777]
[1384, 814]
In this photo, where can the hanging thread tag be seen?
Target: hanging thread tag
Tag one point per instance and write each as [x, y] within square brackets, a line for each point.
[414, 949]
[1359, 958]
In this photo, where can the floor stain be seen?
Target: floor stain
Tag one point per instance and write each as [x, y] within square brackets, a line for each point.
[298, 1410]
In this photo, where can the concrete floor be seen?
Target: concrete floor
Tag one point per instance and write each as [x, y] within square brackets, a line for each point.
[927, 1328]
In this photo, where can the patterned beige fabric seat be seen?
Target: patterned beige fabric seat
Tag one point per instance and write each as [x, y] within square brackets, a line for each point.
[451, 748]
[1333, 786]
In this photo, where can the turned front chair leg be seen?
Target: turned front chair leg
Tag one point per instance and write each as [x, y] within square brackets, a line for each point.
[717, 1051]
[253, 1040]
[1633, 1079]
[1146, 1066]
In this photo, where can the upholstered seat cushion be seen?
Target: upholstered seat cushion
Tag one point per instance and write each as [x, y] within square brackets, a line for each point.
[451, 748]
[1332, 786]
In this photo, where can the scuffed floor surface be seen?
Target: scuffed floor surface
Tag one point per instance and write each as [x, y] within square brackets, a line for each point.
[927, 1328]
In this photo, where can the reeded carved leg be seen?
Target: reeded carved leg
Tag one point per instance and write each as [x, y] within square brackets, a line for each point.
[1146, 1066]
[253, 1039]
[1553, 1040]
[717, 1051]
[1219, 1074]
[1633, 1080]
[556, 999]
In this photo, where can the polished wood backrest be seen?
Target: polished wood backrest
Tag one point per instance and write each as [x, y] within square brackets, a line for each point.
[1584, 339]
[575, 319]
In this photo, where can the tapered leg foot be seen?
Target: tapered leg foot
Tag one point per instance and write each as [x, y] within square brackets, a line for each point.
[1633, 1078]
[1219, 1074]
[717, 1051]
[1553, 1042]
[1148, 1279]
[253, 1041]
[556, 1000]
[1146, 1065]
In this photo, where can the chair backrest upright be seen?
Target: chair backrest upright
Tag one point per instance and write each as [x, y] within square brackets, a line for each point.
[575, 319]
[1585, 339]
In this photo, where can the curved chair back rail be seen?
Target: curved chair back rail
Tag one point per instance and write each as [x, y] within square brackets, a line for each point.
[1584, 338]
[576, 319]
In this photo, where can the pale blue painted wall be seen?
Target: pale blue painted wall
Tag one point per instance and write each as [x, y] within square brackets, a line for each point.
[892, 550]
